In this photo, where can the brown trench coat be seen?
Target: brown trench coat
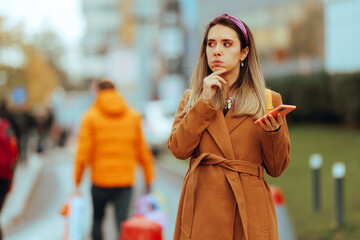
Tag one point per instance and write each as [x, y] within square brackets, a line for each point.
[224, 194]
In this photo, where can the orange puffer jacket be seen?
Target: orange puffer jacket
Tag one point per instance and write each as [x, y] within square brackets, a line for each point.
[111, 142]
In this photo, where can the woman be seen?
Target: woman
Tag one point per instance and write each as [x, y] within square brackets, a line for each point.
[224, 194]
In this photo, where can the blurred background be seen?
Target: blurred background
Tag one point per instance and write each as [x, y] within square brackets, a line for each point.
[52, 50]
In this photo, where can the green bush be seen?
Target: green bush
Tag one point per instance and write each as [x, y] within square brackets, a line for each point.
[346, 94]
[321, 98]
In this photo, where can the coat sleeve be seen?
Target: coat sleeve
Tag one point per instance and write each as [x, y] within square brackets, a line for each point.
[145, 156]
[188, 127]
[85, 145]
[276, 146]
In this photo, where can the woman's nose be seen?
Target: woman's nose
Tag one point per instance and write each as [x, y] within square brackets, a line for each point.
[217, 51]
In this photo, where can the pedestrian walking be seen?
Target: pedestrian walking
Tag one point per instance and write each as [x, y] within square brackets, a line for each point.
[44, 122]
[111, 143]
[224, 194]
[8, 155]
[27, 123]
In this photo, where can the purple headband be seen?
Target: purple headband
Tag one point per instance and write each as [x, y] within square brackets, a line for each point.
[238, 23]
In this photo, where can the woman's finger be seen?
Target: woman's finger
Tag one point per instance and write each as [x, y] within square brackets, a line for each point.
[220, 71]
[267, 122]
[279, 119]
[262, 124]
[270, 123]
[209, 78]
[272, 120]
[213, 82]
[220, 79]
[218, 84]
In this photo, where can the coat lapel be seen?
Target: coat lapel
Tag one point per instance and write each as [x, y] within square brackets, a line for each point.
[220, 133]
[233, 122]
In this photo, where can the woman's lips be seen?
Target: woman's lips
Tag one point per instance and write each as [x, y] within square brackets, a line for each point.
[217, 63]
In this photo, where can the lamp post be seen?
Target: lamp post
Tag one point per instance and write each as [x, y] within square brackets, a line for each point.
[338, 172]
[315, 165]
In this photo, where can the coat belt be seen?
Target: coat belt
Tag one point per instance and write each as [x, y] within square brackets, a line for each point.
[231, 170]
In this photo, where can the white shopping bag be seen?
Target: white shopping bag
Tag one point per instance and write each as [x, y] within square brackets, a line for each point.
[74, 212]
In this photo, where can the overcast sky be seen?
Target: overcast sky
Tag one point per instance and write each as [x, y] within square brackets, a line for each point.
[62, 16]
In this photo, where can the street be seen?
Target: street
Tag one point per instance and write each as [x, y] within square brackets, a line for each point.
[41, 219]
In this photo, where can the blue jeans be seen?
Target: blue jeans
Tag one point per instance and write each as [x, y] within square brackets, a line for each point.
[121, 198]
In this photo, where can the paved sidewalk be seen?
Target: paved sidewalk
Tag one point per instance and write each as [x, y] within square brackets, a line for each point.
[169, 163]
[25, 179]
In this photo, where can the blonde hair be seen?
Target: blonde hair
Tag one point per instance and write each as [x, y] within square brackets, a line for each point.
[249, 96]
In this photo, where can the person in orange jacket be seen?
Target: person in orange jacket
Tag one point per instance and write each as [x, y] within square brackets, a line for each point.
[111, 143]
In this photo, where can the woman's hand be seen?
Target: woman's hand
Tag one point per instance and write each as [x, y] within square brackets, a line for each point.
[271, 124]
[210, 83]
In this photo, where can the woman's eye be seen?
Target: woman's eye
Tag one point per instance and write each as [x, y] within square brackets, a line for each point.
[211, 44]
[227, 44]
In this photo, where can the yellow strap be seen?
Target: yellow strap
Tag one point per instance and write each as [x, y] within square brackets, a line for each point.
[269, 106]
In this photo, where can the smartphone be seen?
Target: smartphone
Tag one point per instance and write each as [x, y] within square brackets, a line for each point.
[282, 109]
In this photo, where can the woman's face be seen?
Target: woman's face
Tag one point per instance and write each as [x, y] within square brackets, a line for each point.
[223, 50]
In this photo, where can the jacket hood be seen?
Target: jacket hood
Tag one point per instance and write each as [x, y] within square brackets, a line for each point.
[110, 103]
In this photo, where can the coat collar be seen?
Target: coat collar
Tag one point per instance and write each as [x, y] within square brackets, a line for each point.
[220, 129]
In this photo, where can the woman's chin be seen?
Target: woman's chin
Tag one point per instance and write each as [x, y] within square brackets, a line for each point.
[217, 68]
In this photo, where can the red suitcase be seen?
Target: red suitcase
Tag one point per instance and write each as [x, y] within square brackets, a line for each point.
[139, 228]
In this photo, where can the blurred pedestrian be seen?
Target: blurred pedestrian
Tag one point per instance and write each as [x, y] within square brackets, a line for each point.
[8, 155]
[63, 136]
[8, 115]
[44, 121]
[111, 142]
[26, 123]
[224, 194]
